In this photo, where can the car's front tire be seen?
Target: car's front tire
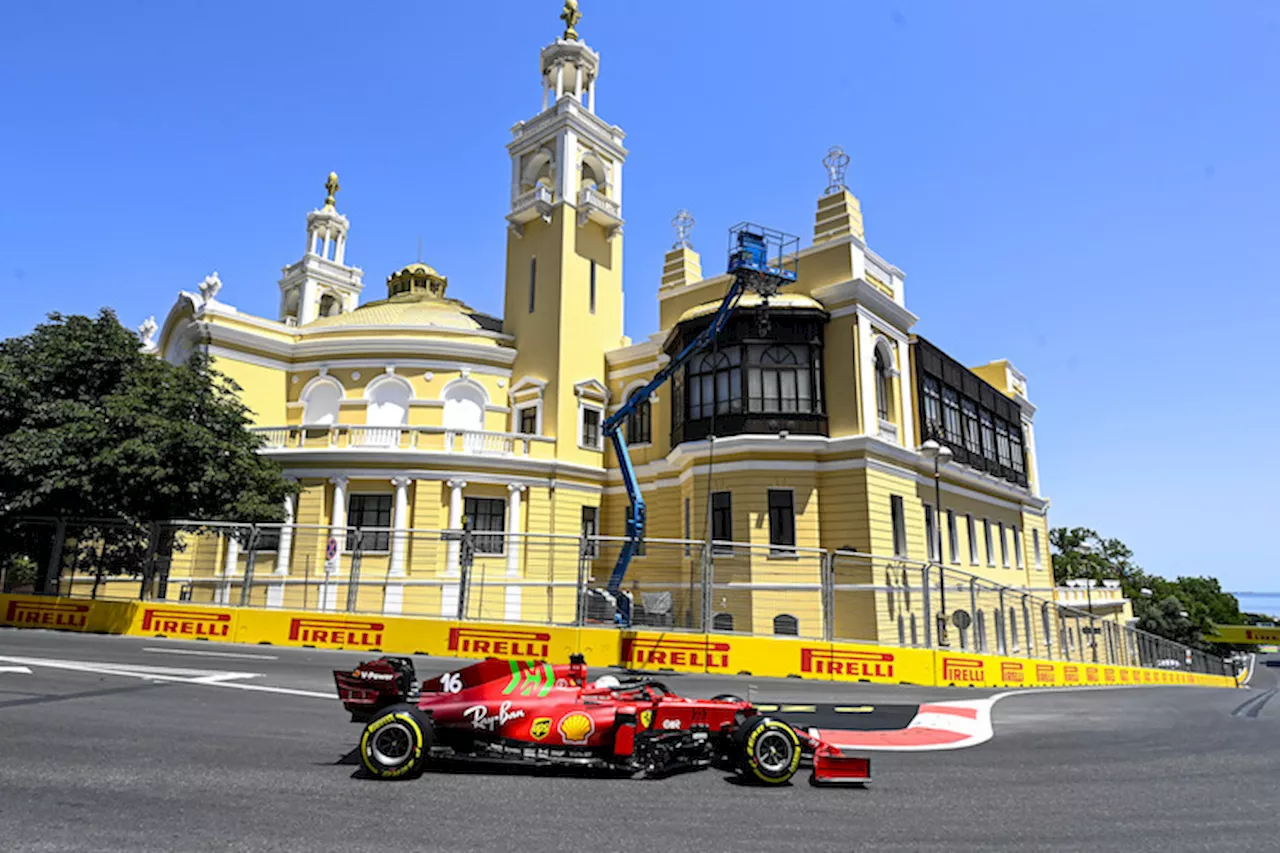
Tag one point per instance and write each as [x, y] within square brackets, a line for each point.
[768, 751]
[395, 743]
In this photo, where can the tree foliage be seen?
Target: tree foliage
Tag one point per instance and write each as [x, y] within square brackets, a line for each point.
[90, 426]
[1183, 610]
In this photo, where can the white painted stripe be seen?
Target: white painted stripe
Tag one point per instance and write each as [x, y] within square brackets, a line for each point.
[203, 678]
[19, 669]
[211, 654]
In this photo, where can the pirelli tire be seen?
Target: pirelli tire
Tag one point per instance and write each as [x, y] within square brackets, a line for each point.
[396, 742]
[767, 751]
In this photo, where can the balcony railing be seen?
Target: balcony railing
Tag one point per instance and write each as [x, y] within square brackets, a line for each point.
[421, 438]
[530, 205]
[596, 206]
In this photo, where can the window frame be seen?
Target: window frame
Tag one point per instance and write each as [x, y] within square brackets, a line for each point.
[1017, 547]
[382, 538]
[486, 534]
[642, 416]
[898, 520]
[1004, 546]
[533, 283]
[954, 552]
[722, 514]
[884, 385]
[990, 542]
[778, 548]
[1035, 538]
[972, 530]
[521, 411]
[931, 534]
[590, 527]
[591, 294]
[583, 408]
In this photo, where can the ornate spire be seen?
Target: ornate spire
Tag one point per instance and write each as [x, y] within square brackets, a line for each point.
[683, 223]
[332, 186]
[836, 162]
[570, 16]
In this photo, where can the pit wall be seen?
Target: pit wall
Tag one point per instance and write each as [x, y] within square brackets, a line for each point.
[641, 650]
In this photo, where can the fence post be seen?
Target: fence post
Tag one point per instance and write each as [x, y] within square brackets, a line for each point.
[246, 586]
[828, 576]
[149, 561]
[52, 580]
[928, 607]
[466, 555]
[353, 580]
[708, 587]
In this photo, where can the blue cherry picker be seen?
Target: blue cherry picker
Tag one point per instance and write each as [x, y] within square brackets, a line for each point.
[761, 261]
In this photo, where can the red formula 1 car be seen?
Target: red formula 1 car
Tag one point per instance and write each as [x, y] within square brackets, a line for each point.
[534, 713]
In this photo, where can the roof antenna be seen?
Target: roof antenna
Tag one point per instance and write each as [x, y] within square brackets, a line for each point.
[419, 248]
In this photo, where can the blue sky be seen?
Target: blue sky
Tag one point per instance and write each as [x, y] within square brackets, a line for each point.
[1089, 189]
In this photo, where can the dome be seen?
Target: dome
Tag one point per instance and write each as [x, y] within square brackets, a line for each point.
[418, 280]
[413, 310]
[777, 302]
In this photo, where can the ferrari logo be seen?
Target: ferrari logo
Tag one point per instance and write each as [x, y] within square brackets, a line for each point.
[540, 728]
[646, 719]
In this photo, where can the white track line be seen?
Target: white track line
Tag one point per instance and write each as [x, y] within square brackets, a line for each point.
[19, 669]
[196, 677]
[210, 654]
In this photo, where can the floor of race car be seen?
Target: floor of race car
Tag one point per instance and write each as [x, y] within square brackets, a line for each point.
[125, 744]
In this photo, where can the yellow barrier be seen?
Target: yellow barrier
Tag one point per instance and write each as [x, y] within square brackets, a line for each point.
[642, 650]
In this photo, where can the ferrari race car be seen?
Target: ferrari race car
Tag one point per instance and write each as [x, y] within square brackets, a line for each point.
[533, 713]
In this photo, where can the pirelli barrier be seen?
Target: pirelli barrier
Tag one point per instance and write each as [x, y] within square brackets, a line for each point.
[640, 650]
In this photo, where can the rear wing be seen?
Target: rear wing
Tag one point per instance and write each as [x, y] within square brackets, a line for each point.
[374, 685]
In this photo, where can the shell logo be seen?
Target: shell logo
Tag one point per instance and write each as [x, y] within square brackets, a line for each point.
[576, 727]
[646, 718]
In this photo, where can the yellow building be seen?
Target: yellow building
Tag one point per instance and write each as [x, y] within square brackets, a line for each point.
[797, 435]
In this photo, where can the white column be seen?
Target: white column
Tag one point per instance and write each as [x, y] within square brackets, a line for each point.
[591, 96]
[577, 84]
[341, 251]
[449, 592]
[400, 524]
[327, 242]
[338, 535]
[546, 92]
[311, 242]
[284, 552]
[229, 567]
[866, 374]
[559, 80]
[1029, 441]
[908, 431]
[513, 592]
[307, 303]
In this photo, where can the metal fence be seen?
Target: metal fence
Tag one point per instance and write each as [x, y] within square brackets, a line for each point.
[675, 585]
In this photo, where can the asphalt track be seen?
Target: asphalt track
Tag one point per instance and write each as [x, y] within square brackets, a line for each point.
[106, 762]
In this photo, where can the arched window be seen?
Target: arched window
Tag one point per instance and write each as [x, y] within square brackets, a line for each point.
[639, 422]
[330, 305]
[778, 379]
[388, 409]
[464, 407]
[715, 384]
[722, 622]
[784, 624]
[320, 403]
[884, 390]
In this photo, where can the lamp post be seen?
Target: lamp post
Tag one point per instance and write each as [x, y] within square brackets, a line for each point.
[1089, 583]
[941, 455]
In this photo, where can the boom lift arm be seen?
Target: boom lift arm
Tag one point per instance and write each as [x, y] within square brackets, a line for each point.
[749, 249]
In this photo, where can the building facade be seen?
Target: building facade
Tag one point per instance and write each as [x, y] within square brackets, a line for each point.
[800, 429]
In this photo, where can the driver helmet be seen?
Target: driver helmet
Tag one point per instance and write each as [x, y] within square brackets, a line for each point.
[608, 682]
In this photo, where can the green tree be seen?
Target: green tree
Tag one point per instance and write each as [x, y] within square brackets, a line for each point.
[90, 426]
[1159, 604]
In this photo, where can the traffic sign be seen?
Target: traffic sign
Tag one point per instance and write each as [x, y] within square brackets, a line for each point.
[331, 550]
[962, 619]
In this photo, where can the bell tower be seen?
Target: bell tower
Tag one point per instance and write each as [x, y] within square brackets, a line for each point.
[564, 244]
[321, 284]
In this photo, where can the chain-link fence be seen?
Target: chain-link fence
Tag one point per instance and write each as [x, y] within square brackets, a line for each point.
[673, 585]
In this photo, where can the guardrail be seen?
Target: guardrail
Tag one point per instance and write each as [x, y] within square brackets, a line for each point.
[724, 588]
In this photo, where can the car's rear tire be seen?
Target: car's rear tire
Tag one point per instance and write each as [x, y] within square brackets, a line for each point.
[396, 742]
[767, 751]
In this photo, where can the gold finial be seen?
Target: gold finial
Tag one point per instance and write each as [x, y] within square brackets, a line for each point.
[332, 186]
[570, 16]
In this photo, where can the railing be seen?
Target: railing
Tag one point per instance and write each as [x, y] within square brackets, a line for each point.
[589, 197]
[540, 194]
[675, 585]
[422, 438]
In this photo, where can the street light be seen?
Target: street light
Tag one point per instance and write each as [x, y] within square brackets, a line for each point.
[1089, 584]
[941, 455]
